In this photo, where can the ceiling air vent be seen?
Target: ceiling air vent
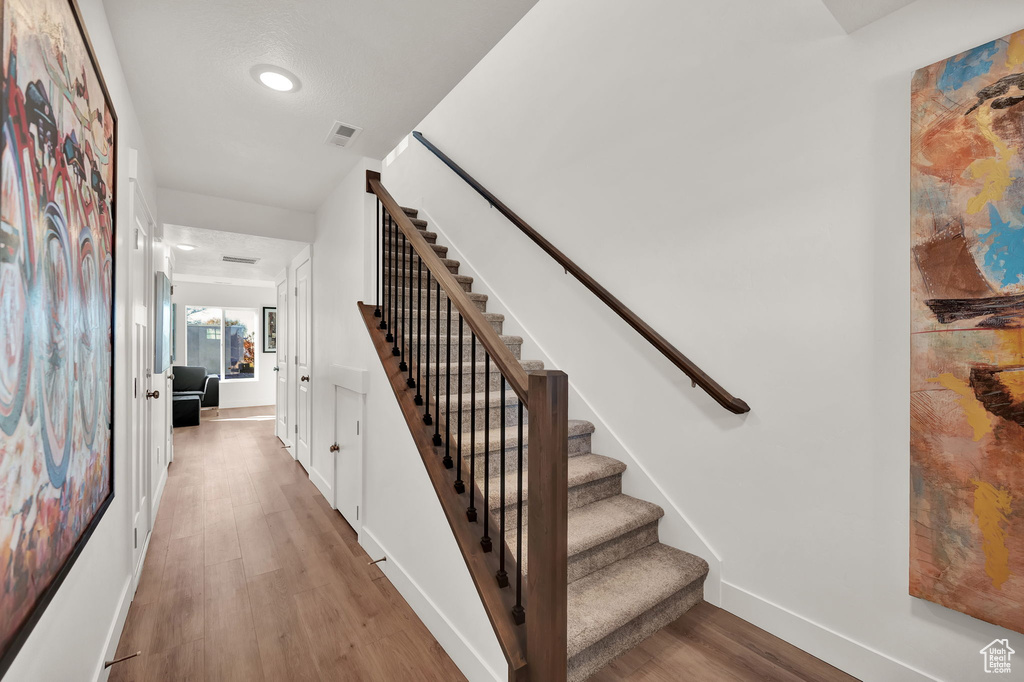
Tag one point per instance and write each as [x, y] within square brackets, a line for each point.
[341, 134]
[240, 259]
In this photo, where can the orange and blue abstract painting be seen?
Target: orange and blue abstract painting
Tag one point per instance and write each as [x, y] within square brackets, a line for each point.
[967, 333]
[57, 180]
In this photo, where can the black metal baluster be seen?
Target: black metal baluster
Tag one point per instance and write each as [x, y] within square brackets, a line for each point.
[380, 273]
[502, 575]
[518, 613]
[471, 509]
[460, 487]
[389, 253]
[427, 419]
[414, 355]
[448, 388]
[485, 541]
[410, 382]
[402, 325]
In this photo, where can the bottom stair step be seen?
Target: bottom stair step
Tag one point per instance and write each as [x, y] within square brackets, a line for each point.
[614, 609]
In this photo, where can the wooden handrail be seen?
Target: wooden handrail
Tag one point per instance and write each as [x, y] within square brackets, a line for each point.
[485, 334]
[696, 374]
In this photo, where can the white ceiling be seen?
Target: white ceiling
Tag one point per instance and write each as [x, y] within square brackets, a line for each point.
[205, 263]
[854, 14]
[210, 128]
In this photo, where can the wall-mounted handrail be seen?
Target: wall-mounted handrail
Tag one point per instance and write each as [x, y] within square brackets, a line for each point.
[696, 374]
[488, 338]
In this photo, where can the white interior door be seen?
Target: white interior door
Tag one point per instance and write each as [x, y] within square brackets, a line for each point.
[281, 367]
[303, 330]
[348, 467]
[142, 293]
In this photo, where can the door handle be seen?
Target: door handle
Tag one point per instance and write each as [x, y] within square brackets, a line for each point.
[335, 447]
[277, 369]
[152, 394]
[305, 378]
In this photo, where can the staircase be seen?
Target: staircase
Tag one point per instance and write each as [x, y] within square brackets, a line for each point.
[623, 584]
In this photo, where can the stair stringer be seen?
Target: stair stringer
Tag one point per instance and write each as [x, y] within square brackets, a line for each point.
[675, 528]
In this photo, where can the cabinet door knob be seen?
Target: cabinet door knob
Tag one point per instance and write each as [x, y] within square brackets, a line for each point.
[305, 378]
[152, 394]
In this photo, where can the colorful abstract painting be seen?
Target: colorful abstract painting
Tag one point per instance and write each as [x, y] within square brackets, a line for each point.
[967, 333]
[56, 305]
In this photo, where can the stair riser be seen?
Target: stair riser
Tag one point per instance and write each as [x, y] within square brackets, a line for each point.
[593, 658]
[390, 253]
[596, 558]
[494, 379]
[466, 283]
[493, 415]
[431, 237]
[586, 562]
[496, 324]
[413, 306]
[578, 445]
[411, 340]
[452, 265]
[579, 496]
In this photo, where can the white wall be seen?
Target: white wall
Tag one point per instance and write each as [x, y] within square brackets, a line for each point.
[339, 260]
[83, 622]
[240, 392]
[736, 172]
[229, 215]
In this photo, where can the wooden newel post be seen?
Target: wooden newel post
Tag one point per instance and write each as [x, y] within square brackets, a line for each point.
[548, 514]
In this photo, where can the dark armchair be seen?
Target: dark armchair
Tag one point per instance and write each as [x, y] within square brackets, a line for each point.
[195, 381]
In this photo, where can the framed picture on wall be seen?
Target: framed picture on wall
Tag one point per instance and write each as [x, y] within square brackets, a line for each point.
[57, 184]
[269, 330]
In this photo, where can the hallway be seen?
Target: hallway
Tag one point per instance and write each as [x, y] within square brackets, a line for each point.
[250, 575]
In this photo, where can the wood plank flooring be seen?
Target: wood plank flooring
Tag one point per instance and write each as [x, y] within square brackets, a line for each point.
[250, 575]
[708, 644]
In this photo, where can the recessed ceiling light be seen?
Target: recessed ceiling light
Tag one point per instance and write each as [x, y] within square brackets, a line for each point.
[275, 78]
[186, 247]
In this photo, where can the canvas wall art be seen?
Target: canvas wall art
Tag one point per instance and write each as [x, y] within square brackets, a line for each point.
[57, 181]
[269, 330]
[967, 333]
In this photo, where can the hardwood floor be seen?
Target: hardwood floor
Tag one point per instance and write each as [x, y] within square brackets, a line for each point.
[250, 575]
[708, 644]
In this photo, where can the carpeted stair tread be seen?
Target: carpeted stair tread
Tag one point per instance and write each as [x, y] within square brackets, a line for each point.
[577, 427]
[607, 599]
[480, 398]
[461, 279]
[471, 295]
[411, 212]
[403, 252]
[490, 317]
[599, 522]
[507, 339]
[527, 365]
[583, 469]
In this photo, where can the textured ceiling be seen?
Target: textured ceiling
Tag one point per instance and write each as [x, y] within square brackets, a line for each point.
[378, 64]
[212, 245]
[854, 14]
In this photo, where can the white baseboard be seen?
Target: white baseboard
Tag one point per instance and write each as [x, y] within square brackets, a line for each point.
[114, 632]
[323, 486]
[158, 496]
[851, 656]
[447, 635]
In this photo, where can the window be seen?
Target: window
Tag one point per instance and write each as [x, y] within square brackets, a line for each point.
[222, 340]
